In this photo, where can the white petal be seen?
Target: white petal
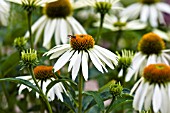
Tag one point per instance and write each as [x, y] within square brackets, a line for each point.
[85, 65]
[107, 54]
[136, 63]
[135, 25]
[148, 98]
[135, 86]
[73, 60]
[63, 30]
[162, 34]
[142, 98]
[153, 16]
[165, 102]
[57, 32]
[137, 96]
[76, 66]
[49, 31]
[63, 60]
[36, 25]
[57, 48]
[163, 7]
[104, 59]
[95, 61]
[151, 59]
[157, 98]
[58, 53]
[144, 13]
[120, 74]
[77, 27]
[57, 91]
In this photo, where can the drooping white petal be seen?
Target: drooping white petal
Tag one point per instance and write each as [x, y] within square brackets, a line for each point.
[148, 99]
[76, 26]
[120, 74]
[36, 25]
[135, 25]
[39, 32]
[151, 59]
[104, 59]
[164, 60]
[76, 66]
[95, 62]
[144, 13]
[135, 8]
[153, 16]
[58, 53]
[63, 60]
[57, 31]
[85, 65]
[57, 48]
[137, 96]
[63, 31]
[73, 60]
[157, 98]
[164, 7]
[165, 100]
[57, 91]
[136, 63]
[144, 94]
[135, 86]
[162, 34]
[49, 31]
[108, 54]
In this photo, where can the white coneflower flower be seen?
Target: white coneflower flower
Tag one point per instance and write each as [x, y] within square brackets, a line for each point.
[148, 10]
[151, 50]
[101, 6]
[164, 35]
[152, 91]
[4, 12]
[57, 21]
[114, 23]
[77, 52]
[45, 76]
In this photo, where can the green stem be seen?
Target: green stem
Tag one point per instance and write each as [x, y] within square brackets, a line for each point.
[41, 92]
[80, 78]
[119, 34]
[29, 13]
[108, 109]
[100, 27]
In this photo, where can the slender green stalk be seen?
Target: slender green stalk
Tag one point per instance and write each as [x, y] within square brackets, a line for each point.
[119, 34]
[108, 109]
[41, 92]
[29, 13]
[80, 78]
[100, 27]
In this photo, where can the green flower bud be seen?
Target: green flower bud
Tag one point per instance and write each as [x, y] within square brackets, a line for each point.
[20, 43]
[29, 57]
[103, 7]
[125, 59]
[116, 89]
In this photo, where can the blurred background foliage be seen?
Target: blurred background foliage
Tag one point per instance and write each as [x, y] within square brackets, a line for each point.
[9, 62]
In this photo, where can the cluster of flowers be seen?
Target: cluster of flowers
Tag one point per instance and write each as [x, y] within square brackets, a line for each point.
[150, 65]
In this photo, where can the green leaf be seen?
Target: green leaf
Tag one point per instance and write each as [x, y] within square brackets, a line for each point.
[9, 64]
[96, 97]
[20, 81]
[125, 99]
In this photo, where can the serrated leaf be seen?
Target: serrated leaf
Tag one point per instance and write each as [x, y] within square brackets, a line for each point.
[96, 97]
[20, 81]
